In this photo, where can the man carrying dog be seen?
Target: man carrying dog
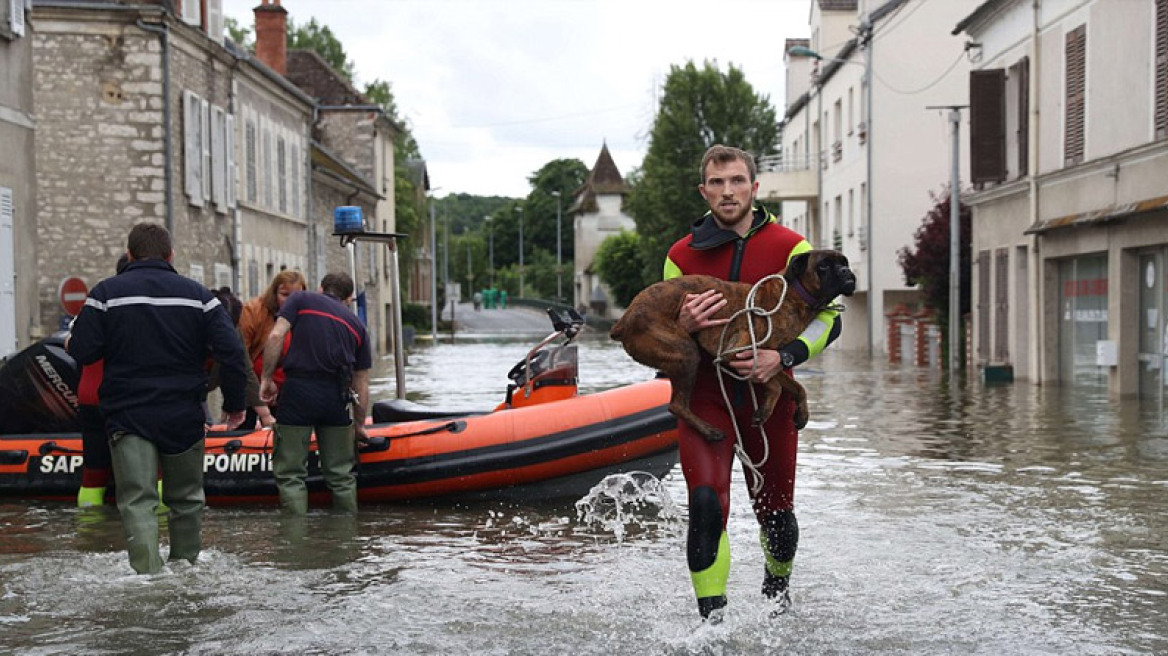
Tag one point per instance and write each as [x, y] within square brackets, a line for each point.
[738, 241]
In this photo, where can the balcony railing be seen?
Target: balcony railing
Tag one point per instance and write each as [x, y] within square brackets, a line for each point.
[786, 163]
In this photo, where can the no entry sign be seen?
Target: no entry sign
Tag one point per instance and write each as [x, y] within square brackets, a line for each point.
[72, 293]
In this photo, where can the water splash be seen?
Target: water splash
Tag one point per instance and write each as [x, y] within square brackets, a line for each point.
[633, 500]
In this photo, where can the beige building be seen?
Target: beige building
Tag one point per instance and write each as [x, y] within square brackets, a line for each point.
[1070, 223]
[19, 323]
[860, 160]
[598, 213]
[146, 114]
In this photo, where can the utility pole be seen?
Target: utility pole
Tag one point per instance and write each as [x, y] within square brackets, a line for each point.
[520, 210]
[433, 276]
[559, 255]
[956, 339]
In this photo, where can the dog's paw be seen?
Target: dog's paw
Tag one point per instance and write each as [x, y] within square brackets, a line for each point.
[758, 418]
[800, 419]
[714, 435]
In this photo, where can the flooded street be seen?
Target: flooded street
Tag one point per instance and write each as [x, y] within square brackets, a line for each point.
[934, 519]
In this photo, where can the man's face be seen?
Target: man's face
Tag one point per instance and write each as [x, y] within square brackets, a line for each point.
[729, 192]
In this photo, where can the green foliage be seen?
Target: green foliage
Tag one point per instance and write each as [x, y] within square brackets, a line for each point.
[540, 207]
[927, 263]
[620, 263]
[464, 212]
[240, 35]
[416, 315]
[314, 36]
[700, 107]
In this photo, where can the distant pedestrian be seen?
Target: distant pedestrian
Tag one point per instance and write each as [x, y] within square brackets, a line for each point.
[478, 301]
[503, 299]
[326, 365]
[154, 329]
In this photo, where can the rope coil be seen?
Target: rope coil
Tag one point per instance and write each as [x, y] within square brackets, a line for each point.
[724, 353]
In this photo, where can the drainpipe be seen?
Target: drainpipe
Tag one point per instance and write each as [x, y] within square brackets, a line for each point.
[167, 147]
[1035, 320]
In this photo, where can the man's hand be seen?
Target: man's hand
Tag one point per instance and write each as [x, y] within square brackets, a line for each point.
[697, 309]
[234, 419]
[265, 416]
[766, 367]
[268, 390]
[360, 435]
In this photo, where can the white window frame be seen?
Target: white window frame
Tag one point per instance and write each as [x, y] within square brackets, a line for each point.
[282, 173]
[232, 184]
[219, 159]
[215, 20]
[198, 274]
[223, 276]
[251, 157]
[192, 12]
[205, 108]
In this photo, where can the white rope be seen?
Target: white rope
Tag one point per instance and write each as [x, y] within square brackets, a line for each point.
[749, 465]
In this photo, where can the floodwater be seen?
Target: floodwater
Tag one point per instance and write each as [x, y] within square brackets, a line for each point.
[935, 519]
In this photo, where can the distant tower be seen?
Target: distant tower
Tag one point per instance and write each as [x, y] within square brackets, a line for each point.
[598, 210]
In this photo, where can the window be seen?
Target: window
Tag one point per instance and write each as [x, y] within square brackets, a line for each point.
[219, 159]
[197, 274]
[215, 20]
[1021, 74]
[232, 183]
[223, 277]
[1074, 136]
[250, 161]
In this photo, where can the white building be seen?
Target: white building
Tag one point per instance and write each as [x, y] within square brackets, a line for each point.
[878, 156]
[598, 211]
[1070, 226]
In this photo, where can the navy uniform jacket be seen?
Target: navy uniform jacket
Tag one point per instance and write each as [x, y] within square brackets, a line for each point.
[155, 330]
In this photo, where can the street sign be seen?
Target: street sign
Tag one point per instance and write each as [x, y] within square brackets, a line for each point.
[72, 293]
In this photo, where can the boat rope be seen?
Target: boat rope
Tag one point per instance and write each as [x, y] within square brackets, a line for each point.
[750, 311]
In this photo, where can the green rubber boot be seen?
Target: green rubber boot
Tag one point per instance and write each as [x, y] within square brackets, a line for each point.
[338, 454]
[89, 497]
[290, 466]
[135, 463]
[183, 492]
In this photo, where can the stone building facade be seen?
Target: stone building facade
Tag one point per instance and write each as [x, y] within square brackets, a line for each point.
[149, 117]
[18, 246]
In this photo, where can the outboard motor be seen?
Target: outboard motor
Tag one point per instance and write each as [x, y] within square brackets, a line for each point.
[38, 389]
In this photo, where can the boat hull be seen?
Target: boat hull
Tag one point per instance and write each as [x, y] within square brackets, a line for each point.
[554, 450]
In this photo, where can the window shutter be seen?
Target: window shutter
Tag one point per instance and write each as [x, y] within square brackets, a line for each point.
[294, 173]
[1074, 136]
[218, 160]
[267, 167]
[250, 161]
[281, 172]
[205, 109]
[1161, 69]
[987, 125]
[192, 148]
[232, 169]
[215, 20]
[1023, 116]
[191, 12]
[16, 17]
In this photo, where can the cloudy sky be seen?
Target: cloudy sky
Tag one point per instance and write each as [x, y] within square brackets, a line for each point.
[495, 89]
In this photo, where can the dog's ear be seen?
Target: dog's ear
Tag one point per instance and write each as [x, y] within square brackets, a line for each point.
[797, 266]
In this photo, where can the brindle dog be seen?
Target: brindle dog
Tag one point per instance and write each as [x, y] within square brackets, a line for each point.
[651, 334]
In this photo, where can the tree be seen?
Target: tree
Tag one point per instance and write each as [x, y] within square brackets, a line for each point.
[927, 264]
[240, 35]
[700, 107]
[317, 37]
[620, 261]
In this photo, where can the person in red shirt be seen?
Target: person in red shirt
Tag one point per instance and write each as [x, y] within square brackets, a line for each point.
[738, 240]
[96, 464]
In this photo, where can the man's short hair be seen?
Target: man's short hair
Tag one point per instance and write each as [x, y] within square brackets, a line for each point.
[149, 241]
[723, 154]
[337, 284]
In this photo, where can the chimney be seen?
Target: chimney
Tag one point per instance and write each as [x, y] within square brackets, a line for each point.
[271, 24]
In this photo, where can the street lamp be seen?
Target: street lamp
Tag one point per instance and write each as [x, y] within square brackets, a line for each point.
[520, 210]
[491, 239]
[559, 256]
[865, 36]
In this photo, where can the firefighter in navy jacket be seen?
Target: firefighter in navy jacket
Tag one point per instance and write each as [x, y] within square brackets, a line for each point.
[154, 329]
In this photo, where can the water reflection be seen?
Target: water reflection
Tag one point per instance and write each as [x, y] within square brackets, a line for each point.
[935, 517]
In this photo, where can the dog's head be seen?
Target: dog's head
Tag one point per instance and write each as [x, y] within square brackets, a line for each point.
[823, 274]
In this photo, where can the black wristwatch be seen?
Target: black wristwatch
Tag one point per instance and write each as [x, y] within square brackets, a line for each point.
[787, 359]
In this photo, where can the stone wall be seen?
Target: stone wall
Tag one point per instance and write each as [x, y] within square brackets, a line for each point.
[100, 148]
[19, 309]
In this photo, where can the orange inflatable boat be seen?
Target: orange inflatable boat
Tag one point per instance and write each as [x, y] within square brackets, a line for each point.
[544, 441]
